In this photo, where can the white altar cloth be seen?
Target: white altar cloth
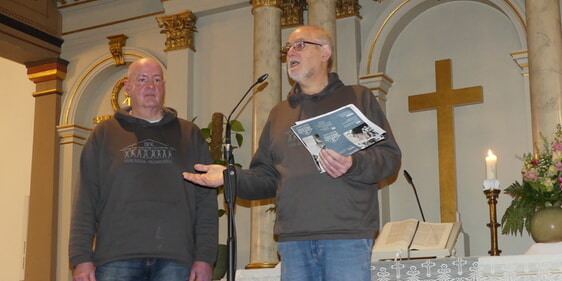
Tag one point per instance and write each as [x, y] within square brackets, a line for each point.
[500, 268]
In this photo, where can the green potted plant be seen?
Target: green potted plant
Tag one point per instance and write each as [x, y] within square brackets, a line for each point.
[540, 189]
[214, 136]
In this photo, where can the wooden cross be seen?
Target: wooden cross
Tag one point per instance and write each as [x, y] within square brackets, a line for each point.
[443, 100]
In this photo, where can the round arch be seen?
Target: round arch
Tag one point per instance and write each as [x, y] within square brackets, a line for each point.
[99, 70]
[400, 13]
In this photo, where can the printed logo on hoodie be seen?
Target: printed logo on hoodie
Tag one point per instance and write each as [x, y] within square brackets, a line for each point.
[292, 139]
[148, 151]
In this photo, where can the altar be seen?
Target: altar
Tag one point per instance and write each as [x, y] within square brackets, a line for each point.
[496, 268]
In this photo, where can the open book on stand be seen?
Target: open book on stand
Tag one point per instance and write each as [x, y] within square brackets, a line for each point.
[416, 239]
[345, 130]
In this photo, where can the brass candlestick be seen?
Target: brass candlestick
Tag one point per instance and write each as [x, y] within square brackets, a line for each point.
[492, 191]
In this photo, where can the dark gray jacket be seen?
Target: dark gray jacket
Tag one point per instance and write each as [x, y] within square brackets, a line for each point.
[313, 205]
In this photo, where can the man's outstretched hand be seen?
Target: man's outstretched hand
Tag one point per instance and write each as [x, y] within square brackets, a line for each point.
[213, 176]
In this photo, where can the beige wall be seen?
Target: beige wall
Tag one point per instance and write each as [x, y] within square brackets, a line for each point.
[480, 55]
[16, 123]
[479, 51]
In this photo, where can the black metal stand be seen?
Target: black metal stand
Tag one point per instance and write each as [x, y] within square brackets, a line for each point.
[229, 175]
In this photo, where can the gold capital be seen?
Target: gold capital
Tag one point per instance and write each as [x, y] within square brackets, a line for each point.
[270, 3]
[347, 8]
[293, 11]
[179, 29]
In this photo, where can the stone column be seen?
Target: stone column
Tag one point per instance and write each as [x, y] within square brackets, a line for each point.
[322, 13]
[380, 85]
[41, 251]
[180, 49]
[349, 20]
[71, 141]
[267, 59]
[545, 66]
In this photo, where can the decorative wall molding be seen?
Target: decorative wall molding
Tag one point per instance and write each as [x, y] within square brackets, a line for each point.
[521, 58]
[73, 134]
[293, 11]
[347, 8]
[179, 29]
[271, 3]
[116, 44]
[400, 13]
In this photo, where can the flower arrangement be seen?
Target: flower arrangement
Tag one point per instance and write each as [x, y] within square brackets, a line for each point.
[541, 186]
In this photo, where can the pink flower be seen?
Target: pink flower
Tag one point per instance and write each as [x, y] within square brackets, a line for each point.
[530, 175]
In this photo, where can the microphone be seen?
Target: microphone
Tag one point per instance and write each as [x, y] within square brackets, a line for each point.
[259, 81]
[411, 182]
[227, 136]
[262, 78]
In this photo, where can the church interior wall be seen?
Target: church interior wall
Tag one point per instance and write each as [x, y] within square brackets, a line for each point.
[16, 122]
[480, 54]
[96, 13]
[223, 70]
[348, 49]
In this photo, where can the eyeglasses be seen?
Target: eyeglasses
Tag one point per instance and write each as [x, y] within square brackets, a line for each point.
[297, 46]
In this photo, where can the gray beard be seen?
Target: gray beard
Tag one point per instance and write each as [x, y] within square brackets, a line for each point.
[307, 74]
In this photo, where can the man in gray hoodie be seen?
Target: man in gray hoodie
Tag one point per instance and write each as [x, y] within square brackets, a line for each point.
[326, 222]
[135, 217]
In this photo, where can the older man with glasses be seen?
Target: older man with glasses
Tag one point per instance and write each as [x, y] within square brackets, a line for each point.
[326, 222]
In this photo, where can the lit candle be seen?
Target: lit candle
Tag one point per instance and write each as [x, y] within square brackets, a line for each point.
[491, 161]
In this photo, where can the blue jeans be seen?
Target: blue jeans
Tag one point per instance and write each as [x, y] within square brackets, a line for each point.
[326, 260]
[142, 270]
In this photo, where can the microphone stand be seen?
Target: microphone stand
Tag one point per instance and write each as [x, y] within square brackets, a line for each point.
[229, 175]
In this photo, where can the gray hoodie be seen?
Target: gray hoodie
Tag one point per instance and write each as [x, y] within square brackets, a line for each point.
[133, 199]
[313, 205]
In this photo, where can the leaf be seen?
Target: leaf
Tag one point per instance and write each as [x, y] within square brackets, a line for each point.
[515, 219]
[206, 132]
[526, 201]
[239, 139]
[236, 126]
